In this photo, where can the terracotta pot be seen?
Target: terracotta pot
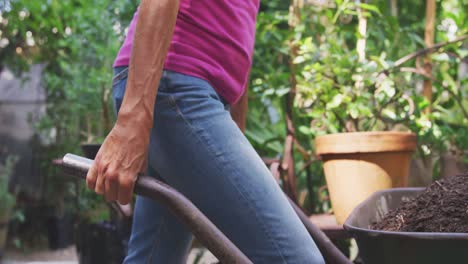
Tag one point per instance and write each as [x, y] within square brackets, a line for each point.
[358, 164]
[4, 219]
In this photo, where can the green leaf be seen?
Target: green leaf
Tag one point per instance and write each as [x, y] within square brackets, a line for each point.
[389, 113]
[305, 130]
[370, 7]
[353, 111]
[335, 102]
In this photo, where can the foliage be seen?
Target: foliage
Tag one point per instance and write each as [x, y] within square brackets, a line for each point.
[7, 199]
[269, 80]
[337, 92]
[76, 41]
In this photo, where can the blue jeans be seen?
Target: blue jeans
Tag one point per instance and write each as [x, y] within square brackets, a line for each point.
[197, 148]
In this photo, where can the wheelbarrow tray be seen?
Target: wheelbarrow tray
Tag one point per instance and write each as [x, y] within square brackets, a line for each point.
[385, 247]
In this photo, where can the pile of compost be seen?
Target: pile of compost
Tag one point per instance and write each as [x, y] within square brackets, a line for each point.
[442, 207]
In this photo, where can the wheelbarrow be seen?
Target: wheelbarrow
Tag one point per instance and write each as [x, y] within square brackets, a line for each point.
[201, 227]
[385, 247]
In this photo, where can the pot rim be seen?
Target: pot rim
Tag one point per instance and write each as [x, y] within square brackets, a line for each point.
[366, 142]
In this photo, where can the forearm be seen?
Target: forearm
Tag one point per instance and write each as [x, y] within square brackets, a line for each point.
[124, 151]
[239, 111]
[153, 34]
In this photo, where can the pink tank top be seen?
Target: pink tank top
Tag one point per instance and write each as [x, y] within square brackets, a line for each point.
[213, 40]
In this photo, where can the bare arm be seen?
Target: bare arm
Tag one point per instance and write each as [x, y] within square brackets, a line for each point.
[123, 154]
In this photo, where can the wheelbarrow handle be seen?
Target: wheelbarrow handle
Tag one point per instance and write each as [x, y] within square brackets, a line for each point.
[202, 228]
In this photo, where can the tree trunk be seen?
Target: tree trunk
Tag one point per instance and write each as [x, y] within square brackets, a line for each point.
[429, 40]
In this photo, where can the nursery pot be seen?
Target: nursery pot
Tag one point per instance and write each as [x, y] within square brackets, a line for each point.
[100, 243]
[360, 163]
[60, 231]
[4, 219]
[90, 150]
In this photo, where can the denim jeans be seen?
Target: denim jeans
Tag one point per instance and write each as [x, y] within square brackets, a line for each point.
[197, 148]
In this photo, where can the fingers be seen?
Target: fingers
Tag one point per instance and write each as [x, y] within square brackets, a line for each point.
[144, 165]
[126, 190]
[111, 185]
[91, 177]
[100, 188]
[105, 181]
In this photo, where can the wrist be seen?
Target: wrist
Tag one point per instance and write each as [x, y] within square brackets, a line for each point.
[135, 118]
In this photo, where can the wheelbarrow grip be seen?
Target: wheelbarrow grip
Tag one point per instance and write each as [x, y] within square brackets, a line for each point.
[202, 228]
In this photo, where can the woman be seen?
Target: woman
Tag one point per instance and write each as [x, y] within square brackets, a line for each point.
[188, 64]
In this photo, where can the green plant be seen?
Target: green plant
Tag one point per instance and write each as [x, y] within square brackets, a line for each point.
[343, 91]
[7, 199]
[336, 90]
[76, 41]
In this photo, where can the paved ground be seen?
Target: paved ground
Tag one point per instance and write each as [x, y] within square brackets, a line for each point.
[65, 256]
[68, 256]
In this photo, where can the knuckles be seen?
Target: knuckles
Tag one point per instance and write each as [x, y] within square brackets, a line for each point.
[126, 182]
[111, 175]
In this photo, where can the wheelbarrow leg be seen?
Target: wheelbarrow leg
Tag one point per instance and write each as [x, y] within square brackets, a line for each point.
[329, 251]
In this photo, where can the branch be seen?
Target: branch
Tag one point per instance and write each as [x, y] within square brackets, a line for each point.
[303, 151]
[341, 121]
[335, 81]
[427, 50]
[385, 120]
[307, 164]
[457, 98]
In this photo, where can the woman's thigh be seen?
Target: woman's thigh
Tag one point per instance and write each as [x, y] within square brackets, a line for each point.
[157, 235]
[198, 149]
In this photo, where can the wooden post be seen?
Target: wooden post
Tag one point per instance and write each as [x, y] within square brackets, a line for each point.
[429, 40]
[288, 159]
[394, 8]
[362, 30]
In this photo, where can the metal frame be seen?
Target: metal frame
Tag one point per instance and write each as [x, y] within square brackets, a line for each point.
[202, 228]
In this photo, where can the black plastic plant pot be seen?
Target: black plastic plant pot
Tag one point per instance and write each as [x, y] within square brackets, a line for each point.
[384, 247]
[60, 231]
[90, 150]
[100, 243]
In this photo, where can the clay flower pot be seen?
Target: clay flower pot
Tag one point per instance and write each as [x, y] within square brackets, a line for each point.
[360, 163]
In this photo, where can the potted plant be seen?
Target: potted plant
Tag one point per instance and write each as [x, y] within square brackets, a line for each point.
[61, 214]
[7, 200]
[103, 229]
[364, 108]
[360, 163]
[359, 110]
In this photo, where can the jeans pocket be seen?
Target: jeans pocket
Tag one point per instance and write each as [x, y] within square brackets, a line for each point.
[120, 73]
[119, 82]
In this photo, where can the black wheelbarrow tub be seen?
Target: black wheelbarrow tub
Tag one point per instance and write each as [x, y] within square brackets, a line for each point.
[385, 247]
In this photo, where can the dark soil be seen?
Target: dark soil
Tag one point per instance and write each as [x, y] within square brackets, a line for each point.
[442, 207]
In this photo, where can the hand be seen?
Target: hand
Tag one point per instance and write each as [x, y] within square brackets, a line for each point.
[121, 157]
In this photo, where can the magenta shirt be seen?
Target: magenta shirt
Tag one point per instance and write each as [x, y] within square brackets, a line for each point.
[213, 40]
